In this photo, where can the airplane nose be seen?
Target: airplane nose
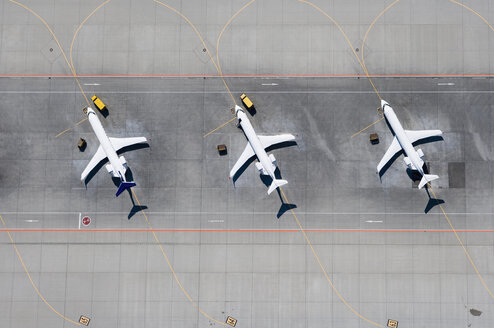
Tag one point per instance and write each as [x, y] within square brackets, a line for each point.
[237, 108]
[383, 103]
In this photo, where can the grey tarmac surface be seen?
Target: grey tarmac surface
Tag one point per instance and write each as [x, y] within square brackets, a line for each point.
[263, 274]
[261, 278]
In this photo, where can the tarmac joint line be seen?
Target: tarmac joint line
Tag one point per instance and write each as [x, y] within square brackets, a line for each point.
[32, 282]
[194, 303]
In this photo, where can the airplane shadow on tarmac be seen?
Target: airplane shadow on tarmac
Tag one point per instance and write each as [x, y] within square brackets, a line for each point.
[103, 162]
[116, 181]
[266, 179]
[253, 158]
[135, 208]
[398, 154]
[432, 202]
[285, 207]
[415, 176]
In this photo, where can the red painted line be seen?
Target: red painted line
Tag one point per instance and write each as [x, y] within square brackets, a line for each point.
[241, 230]
[252, 75]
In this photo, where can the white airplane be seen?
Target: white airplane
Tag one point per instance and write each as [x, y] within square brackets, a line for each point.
[403, 141]
[256, 146]
[108, 148]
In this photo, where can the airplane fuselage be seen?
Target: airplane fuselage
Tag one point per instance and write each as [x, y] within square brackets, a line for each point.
[119, 169]
[404, 141]
[255, 143]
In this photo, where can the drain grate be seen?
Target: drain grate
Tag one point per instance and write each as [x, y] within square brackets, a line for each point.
[51, 51]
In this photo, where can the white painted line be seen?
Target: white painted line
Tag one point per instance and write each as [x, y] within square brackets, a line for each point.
[80, 220]
[216, 221]
[445, 83]
[257, 213]
[371, 221]
[263, 92]
[92, 84]
[31, 221]
[269, 84]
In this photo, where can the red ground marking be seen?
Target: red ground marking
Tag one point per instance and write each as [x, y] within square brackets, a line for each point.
[242, 230]
[86, 221]
[253, 75]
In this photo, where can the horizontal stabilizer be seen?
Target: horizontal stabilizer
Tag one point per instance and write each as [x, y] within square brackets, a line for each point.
[275, 184]
[123, 186]
[426, 179]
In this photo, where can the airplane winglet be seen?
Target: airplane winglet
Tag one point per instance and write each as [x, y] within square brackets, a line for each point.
[123, 186]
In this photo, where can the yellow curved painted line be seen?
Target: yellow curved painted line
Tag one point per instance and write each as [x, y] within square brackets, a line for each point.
[218, 61]
[31, 279]
[223, 30]
[3, 222]
[58, 44]
[191, 25]
[47, 26]
[473, 11]
[336, 24]
[364, 67]
[202, 41]
[351, 47]
[461, 244]
[347, 40]
[167, 260]
[337, 292]
[72, 63]
[79, 28]
[479, 275]
[367, 33]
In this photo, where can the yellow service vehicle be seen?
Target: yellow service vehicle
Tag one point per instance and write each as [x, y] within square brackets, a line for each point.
[246, 101]
[98, 103]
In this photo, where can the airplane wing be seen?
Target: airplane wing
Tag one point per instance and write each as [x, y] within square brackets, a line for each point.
[247, 154]
[97, 158]
[119, 143]
[415, 136]
[268, 141]
[390, 153]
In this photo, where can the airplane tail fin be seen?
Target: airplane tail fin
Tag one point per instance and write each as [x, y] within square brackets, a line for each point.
[426, 179]
[275, 184]
[123, 186]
